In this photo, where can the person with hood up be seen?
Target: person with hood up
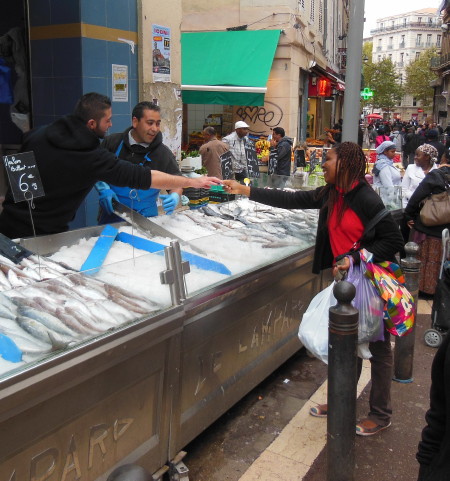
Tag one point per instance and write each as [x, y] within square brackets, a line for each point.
[283, 146]
[385, 175]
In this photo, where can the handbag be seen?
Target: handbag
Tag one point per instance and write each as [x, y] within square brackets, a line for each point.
[436, 207]
[398, 315]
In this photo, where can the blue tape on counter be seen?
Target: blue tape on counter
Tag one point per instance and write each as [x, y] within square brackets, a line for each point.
[100, 250]
[9, 350]
[156, 248]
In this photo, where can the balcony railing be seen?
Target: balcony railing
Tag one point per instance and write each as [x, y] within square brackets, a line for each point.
[438, 62]
[408, 25]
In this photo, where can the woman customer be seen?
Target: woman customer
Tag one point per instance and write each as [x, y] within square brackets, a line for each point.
[428, 238]
[346, 203]
[385, 175]
[424, 161]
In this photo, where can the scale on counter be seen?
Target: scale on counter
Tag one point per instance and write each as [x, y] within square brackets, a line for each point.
[187, 169]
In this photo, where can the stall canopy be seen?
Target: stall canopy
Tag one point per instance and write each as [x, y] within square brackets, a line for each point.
[228, 68]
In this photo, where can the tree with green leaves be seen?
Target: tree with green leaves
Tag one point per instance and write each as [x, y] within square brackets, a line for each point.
[382, 78]
[418, 78]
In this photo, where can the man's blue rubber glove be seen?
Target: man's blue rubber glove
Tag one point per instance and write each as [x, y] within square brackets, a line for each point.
[169, 202]
[105, 197]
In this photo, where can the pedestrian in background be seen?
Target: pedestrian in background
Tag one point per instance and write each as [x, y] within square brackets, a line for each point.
[346, 204]
[429, 238]
[283, 146]
[211, 151]
[415, 173]
[236, 142]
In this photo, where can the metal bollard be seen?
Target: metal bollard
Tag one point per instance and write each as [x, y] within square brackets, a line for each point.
[342, 373]
[404, 346]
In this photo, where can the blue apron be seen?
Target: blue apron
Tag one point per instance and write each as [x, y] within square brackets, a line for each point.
[142, 201]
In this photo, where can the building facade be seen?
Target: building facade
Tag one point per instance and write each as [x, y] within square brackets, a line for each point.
[402, 38]
[441, 66]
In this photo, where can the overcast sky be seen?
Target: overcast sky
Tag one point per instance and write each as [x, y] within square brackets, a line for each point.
[384, 8]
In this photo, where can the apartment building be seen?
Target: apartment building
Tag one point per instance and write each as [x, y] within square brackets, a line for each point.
[402, 38]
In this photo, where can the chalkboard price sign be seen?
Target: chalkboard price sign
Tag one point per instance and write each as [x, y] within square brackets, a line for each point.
[23, 176]
[227, 165]
[252, 160]
[313, 161]
[299, 156]
[273, 162]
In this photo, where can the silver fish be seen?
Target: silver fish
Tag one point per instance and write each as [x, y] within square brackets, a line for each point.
[48, 320]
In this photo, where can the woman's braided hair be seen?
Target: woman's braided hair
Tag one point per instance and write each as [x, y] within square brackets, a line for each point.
[350, 169]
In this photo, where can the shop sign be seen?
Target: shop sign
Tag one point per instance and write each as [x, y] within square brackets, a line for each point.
[161, 53]
[324, 87]
[419, 110]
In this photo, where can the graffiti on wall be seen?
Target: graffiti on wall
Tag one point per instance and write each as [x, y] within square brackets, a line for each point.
[269, 115]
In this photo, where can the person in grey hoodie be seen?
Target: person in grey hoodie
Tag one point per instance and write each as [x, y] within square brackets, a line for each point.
[283, 145]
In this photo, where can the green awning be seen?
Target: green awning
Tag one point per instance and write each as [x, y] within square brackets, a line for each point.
[228, 68]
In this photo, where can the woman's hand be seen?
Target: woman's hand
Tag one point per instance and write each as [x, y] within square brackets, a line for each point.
[410, 224]
[233, 187]
[341, 267]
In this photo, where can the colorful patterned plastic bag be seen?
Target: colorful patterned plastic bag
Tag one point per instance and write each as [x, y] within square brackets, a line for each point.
[390, 282]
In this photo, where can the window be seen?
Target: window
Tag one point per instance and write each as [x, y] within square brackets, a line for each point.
[430, 20]
[404, 22]
[414, 102]
[419, 19]
[429, 40]
[379, 58]
[382, 25]
[312, 12]
[392, 23]
[438, 41]
[418, 40]
[417, 55]
[402, 56]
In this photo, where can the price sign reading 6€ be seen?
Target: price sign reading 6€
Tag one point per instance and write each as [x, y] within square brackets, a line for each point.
[23, 176]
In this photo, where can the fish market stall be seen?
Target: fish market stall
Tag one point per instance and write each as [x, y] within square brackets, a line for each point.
[131, 359]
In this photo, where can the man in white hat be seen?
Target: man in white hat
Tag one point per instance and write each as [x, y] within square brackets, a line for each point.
[236, 142]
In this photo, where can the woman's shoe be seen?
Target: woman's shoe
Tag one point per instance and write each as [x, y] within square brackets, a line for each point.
[369, 428]
[319, 411]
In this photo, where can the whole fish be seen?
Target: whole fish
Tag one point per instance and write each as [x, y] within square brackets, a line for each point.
[35, 328]
[25, 341]
[48, 320]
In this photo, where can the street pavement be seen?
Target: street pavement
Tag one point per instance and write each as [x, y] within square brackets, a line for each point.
[299, 451]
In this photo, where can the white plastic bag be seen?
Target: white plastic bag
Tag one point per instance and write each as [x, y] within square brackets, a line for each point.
[313, 331]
